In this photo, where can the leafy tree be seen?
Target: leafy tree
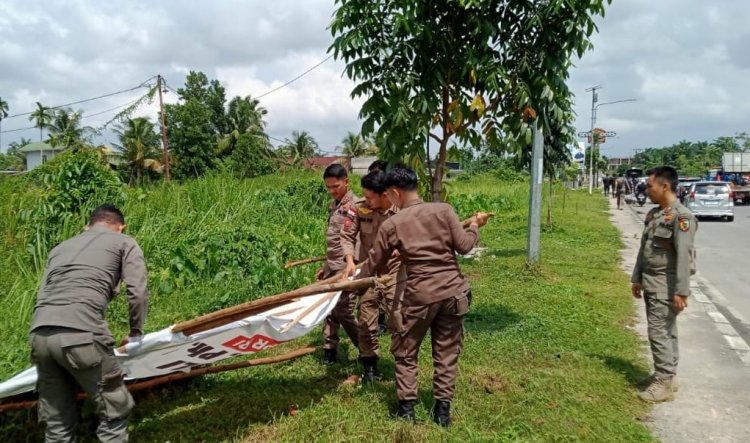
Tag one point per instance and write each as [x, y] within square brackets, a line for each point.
[192, 140]
[13, 160]
[195, 126]
[251, 157]
[468, 69]
[139, 145]
[355, 145]
[41, 117]
[300, 146]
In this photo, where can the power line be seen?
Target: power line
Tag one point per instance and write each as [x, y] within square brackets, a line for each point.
[142, 85]
[294, 79]
[19, 129]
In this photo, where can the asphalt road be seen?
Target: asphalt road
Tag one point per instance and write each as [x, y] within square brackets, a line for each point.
[723, 258]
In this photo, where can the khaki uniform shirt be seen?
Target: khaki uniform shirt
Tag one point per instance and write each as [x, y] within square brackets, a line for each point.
[364, 222]
[427, 236]
[666, 258]
[337, 210]
[83, 274]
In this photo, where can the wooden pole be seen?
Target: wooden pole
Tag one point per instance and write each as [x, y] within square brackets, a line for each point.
[233, 313]
[165, 145]
[292, 264]
[148, 384]
[307, 311]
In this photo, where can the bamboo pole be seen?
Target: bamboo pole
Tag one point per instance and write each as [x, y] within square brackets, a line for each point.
[307, 311]
[147, 384]
[292, 264]
[224, 316]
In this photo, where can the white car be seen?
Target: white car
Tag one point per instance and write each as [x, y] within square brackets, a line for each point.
[711, 199]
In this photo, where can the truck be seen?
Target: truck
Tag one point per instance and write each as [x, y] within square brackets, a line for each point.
[735, 167]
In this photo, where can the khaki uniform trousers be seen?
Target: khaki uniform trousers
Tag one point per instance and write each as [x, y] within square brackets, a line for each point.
[341, 315]
[66, 359]
[444, 320]
[371, 304]
[662, 335]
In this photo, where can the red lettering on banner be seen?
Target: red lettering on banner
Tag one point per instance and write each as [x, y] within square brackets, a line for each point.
[256, 343]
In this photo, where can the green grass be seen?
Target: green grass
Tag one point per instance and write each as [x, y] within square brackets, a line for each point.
[547, 356]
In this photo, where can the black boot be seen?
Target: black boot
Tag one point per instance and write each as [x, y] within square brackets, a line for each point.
[370, 373]
[329, 356]
[441, 413]
[405, 410]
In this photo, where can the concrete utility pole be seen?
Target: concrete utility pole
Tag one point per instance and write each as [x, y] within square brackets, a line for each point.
[592, 143]
[535, 199]
[165, 146]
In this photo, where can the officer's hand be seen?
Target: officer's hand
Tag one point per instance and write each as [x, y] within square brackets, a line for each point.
[679, 302]
[319, 274]
[348, 270]
[636, 290]
[482, 217]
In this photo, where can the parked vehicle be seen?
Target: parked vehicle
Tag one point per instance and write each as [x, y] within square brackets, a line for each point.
[711, 199]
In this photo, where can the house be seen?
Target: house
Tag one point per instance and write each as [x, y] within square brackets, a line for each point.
[38, 153]
[360, 164]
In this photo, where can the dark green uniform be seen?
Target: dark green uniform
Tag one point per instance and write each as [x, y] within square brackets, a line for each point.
[666, 261]
[71, 344]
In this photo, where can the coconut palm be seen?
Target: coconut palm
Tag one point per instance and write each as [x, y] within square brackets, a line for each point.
[139, 144]
[65, 130]
[300, 145]
[353, 145]
[245, 116]
[3, 114]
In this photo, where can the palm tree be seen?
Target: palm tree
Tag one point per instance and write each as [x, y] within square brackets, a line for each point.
[3, 114]
[42, 117]
[139, 144]
[13, 151]
[245, 116]
[352, 145]
[66, 130]
[300, 145]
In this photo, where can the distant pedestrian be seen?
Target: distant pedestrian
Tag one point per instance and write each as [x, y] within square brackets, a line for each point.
[665, 262]
[620, 185]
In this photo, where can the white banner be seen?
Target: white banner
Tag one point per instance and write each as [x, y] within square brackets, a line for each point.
[163, 352]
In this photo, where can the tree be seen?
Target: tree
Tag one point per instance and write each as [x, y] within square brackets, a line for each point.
[139, 144]
[468, 69]
[300, 146]
[14, 159]
[353, 145]
[3, 114]
[245, 116]
[195, 126]
[65, 130]
[41, 117]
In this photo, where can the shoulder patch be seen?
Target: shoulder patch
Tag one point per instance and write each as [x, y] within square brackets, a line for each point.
[364, 210]
[684, 224]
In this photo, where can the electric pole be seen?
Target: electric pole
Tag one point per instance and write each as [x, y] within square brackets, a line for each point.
[592, 142]
[165, 146]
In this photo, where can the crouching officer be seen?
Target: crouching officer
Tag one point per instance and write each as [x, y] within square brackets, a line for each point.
[436, 298]
[71, 344]
[363, 221]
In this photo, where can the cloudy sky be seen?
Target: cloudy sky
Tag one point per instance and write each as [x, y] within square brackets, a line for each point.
[684, 62]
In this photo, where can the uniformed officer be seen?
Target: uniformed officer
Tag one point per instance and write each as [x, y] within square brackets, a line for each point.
[71, 343]
[427, 237]
[662, 274]
[337, 183]
[363, 221]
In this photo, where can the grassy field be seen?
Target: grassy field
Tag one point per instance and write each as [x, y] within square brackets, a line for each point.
[547, 355]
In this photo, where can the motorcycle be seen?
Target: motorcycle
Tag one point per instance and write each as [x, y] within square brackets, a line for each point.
[640, 194]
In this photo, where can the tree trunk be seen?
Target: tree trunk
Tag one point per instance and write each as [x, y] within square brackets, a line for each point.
[549, 202]
[437, 178]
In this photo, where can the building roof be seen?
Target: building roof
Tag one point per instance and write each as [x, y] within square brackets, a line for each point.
[38, 146]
